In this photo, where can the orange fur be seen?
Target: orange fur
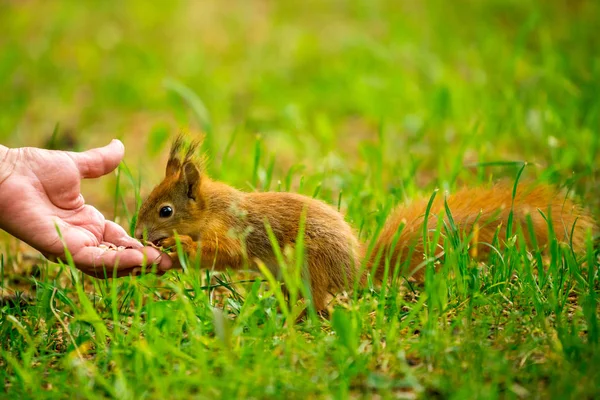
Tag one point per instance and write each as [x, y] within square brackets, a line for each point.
[226, 227]
[483, 212]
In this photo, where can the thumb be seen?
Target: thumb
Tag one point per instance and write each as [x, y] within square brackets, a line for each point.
[99, 161]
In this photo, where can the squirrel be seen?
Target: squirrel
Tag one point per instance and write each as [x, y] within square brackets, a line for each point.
[226, 227]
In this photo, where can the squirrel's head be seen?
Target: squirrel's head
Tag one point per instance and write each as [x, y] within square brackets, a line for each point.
[176, 203]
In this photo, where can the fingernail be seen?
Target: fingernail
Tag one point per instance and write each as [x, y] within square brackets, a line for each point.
[167, 261]
[156, 261]
[117, 142]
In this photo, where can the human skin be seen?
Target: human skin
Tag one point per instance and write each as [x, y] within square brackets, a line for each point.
[40, 196]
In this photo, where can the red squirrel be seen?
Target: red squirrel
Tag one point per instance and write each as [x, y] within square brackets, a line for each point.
[226, 228]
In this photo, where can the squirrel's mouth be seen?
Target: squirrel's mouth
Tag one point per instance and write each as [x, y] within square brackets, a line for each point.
[158, 242]
[153, 241]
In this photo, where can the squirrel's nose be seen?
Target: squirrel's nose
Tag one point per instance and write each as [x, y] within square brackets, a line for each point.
[139, 233]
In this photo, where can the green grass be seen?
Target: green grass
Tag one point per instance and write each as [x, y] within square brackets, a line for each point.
[364, 104]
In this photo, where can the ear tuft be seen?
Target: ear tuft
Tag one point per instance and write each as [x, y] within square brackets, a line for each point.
[176, 147]
[183, 152]
[173, 166]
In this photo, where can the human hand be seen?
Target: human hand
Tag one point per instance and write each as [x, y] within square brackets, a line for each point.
[40, 193]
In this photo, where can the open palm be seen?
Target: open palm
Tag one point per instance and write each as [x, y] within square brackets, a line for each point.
[40, 197]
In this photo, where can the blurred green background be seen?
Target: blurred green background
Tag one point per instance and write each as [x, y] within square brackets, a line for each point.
[435, 85]
[362, 103]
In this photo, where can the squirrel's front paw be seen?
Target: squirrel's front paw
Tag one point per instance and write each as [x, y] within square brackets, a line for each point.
[170, 244]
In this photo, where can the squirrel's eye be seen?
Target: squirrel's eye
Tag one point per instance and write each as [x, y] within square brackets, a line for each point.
[165, 212]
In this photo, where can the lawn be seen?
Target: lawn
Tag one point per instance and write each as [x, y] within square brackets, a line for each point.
[362, 104]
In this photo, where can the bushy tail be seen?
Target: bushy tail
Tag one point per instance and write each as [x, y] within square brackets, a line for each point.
[481, 214]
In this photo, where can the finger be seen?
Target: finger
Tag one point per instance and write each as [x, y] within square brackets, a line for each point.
[174, 257]
[99, 161]
[166, 263]
[97, 272]
[114, 233]
[95, 260]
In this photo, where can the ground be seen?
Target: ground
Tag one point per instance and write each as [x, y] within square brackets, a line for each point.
[366, 104]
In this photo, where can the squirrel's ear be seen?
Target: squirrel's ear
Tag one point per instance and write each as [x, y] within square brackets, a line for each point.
[173, 166]
[192, 179]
